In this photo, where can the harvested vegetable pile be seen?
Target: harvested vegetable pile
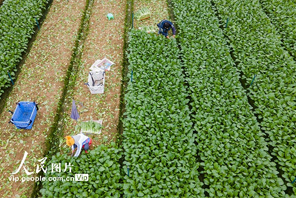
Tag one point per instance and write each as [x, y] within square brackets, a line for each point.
[143, 13]
[89, 126]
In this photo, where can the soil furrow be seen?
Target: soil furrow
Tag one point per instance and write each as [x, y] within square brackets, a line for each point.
[41, 79]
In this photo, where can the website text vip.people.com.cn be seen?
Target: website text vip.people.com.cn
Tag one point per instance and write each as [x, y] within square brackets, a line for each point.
[78, 177]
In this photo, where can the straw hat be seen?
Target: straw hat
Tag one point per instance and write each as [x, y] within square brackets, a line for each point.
[69, 140]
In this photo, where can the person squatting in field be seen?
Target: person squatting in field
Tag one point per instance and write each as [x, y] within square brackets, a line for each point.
[164, 28]
[79, 141]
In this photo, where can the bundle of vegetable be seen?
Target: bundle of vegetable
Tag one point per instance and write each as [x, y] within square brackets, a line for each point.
[158, 140]
[235, 157]
[257, 48]
[282, 15]
[18, 19]
[101, 165]
[142, 13]
[89, 127]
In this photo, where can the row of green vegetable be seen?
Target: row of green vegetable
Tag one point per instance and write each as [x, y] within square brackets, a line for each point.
[258, 50]
[159, 144]
[282, 14]
[17, 22]
[103, 169]
[235, 156]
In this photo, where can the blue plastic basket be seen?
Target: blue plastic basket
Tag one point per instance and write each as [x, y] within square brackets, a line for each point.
[24, 115]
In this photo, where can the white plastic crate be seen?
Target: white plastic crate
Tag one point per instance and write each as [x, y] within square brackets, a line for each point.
[104, 64]
[96, 81]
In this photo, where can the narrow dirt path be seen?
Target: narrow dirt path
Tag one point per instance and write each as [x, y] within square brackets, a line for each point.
[105, 39]
[41, 79]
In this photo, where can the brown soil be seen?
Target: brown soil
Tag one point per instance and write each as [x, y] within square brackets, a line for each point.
[105, 39]
[40, 80]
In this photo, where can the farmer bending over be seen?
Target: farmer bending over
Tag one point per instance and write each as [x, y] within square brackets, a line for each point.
[78, 141]
[165, 26]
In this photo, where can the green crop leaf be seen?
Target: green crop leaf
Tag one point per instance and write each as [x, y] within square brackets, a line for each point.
[109, 163]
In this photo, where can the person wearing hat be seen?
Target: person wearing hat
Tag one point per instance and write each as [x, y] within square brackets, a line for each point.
[79, 141]
[165, 26]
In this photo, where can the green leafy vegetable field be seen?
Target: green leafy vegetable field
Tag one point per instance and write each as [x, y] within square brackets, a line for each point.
[159, 144]
[282, 15]
[102, 167]
[230, 143]
[193, 125]
[41, 79]
[258, 50]
[17, 23]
